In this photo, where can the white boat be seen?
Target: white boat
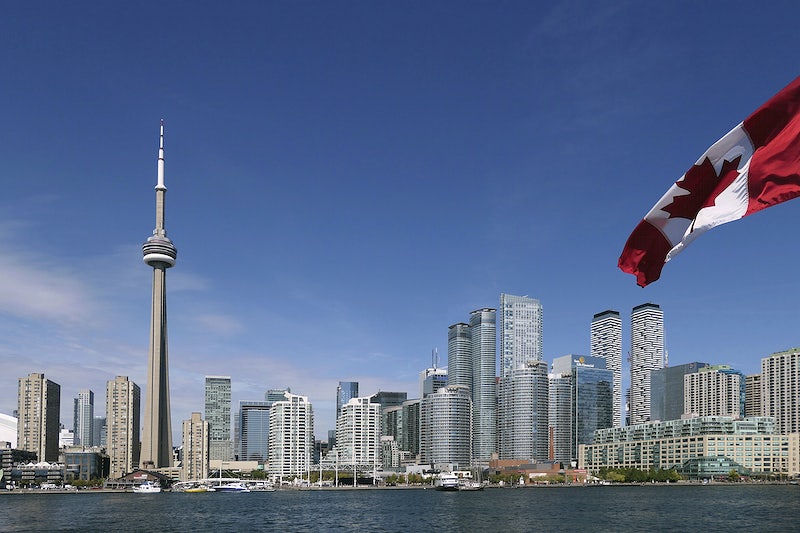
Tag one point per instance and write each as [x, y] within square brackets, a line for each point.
[468, 484]
[261, 486]
[147, 487]
[446, 481]
[234, 486]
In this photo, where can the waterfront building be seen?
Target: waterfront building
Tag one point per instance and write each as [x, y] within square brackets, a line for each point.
[780, 389]
[560, 417]
[358, 435]
[8, 430]
[122, 417]
[291, 436]
[38, 412]
[84, 465]
[390, 453]
[99, 431]
[520, 332]
[591, 402]
[160, 254]
[523, 412]
[446, 428]
[254, 430]
[409, 434]
[606, 342]
[483, 334]
[345, 391]
[752, 395]
[459, 355]
[752, 443]
[431, 380]
[647, 354]
[196, 437]
[667, 390]
[714, 390]
[83, 418]
[218, 416]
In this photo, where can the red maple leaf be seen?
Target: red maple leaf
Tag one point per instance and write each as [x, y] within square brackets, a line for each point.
[703, 185]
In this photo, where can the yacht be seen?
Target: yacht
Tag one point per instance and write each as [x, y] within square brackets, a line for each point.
[233, 486]
[147, 487]
[446, 481]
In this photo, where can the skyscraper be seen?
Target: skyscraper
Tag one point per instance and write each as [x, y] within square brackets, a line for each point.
[446, 427]
[459, 355]
[647, 354]
[291, 436]
[218, 415]
[122, 419]
[523, 412]
[431, 380]
[780, 389]
[520, 331]
[38, 413]
[84, 418]
[159, 253]
[358, 434]
[345, 391]
[482, 326]
[667, 388]
[752, 396]
[560, 416]
[195, 449]
[254, 430]
[606, 342]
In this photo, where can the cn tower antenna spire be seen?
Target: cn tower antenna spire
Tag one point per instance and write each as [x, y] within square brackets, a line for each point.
[160, 185]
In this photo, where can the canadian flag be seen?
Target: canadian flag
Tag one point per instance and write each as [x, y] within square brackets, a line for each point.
[756, 165]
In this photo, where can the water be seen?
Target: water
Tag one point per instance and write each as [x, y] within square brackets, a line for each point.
[772, 508]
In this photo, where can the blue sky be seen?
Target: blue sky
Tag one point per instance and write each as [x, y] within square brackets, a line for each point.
[348, 179]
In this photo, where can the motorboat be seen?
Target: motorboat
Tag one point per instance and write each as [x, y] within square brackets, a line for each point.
[469, 484]
[147, 487]
[233, 486]
[446, 481]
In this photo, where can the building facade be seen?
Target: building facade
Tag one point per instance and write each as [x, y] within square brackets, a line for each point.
[780, 389]
[446, 427]
[195, 448]
[520, 332]
[254, 430]
[523, 413]
[606, 342]
[345, 391]
[84, 418]
[218, 416]
[459, 355]
[123, 399]
[560, 417]
[358, 435]
[483, 335]
[291, 436]
[714, 391]
[38, 413]
[647, 354]
[752, 395]
[667, 390]
[431, 380]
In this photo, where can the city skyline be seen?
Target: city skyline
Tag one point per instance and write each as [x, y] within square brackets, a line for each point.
[368, 167]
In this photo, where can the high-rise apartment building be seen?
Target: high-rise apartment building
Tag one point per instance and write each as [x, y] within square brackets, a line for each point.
[254, 430]
[345, 391]
[195, 448]
[520, 332]
[291, 436]
[459, 355]
[606, 342]
[523, 412]
[667, 390]
[647, 354]
[38, 413]
[446, 428]
[84, 418]
[752, 395]
[714, 391]
[218, 416]
[560, 417]
[122, 420]
[483, 334]
[408, 434]
[358, 434]
[780, 389]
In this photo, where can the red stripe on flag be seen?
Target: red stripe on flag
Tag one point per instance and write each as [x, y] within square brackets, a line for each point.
[644, 253]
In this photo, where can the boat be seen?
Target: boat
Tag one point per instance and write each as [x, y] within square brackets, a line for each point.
[446, 481]
[233, 486]
[261, 486]
[468, 484]
[200, 488]
[147, 487]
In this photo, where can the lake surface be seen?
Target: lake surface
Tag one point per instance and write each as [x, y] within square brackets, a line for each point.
[705, 508]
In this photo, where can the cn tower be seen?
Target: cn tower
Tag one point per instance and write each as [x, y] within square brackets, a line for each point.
[159, 253]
